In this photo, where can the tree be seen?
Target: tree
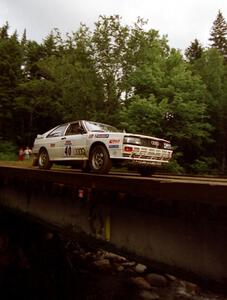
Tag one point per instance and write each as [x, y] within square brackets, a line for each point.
[213, 70]
[117, 50]
[10, 76]
[163, 86]
[35, 96]
[194, 51]
[72, 70]
[218, 35]
[109, 49]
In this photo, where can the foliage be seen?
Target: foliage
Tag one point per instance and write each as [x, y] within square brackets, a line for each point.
[204, 165]
[213, 71]
[218, 35]
[194, 51]
[144, 116]
[10, 76]
[168, 88]
[7, 150]
[123, 75]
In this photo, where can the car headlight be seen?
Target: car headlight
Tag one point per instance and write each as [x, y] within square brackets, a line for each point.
[132, 140]
[167, 146]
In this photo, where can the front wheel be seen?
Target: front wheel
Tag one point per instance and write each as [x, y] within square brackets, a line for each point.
[99, 160]
[43, 160]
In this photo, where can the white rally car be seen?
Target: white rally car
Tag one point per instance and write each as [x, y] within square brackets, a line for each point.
[96, 147]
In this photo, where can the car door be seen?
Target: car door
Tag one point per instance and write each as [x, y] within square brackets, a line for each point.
[74, 143]
[54, 140]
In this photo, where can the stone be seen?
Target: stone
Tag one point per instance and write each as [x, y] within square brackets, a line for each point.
[182, 294]
[170, 277]
[141, 283]
[129, 264]
[139, 268]
[156, 280]
[102, 264]
[148, 295]
[114, 257]
[120, 268]
[188, 287]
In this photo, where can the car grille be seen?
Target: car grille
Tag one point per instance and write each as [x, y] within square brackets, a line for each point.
[151, 143]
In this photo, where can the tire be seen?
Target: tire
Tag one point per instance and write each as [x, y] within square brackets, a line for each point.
[99, 160]
[35, 161]
[85, 166]
[43, 160]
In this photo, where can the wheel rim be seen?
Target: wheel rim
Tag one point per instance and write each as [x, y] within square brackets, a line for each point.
[43, 158]
[98, 160]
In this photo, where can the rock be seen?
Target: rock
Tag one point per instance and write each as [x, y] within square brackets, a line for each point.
[156, 280]
[141, 283]
[88, 254]
[102, 264]
[170, 277]
[182, 294]
[129, 271]
[149, 295]
[120, 268]
[128, 264]
[114, 257]
[49, 235]
[139, 268]
[190, 287]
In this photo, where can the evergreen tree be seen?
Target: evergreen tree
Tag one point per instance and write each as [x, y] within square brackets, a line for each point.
[194, 51]
[218, 35]
[73, 72]
[10, 77]
[4, 31]
[36, 95]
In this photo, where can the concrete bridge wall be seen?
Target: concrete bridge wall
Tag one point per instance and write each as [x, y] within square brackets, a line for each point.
[178, 224]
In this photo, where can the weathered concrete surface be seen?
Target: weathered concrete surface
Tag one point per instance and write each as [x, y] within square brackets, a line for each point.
[179, 223]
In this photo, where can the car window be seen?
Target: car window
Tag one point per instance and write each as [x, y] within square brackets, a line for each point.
[73, 128]
[59, 131]
[99, 127]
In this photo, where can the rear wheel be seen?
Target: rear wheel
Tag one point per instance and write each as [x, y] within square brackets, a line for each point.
[43, 160]
[85, 166]
[99, 161]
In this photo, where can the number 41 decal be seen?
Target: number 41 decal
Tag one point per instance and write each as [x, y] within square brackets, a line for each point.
[68, 150]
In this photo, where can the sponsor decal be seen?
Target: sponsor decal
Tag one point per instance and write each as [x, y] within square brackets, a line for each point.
[52, 145]
[79, 151]
[135, 155]
[68, 151]
[155, 143]
[114, 141]
[113, 146]
[102, 135]
[68, 143]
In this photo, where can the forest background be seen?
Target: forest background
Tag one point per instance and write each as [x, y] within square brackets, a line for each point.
[122, 75]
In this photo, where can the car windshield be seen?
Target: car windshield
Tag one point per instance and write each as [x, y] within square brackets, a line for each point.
[98, 127]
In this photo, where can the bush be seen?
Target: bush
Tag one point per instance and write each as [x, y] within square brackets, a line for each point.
[173, 167]
[204, 166]
[8, 151]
